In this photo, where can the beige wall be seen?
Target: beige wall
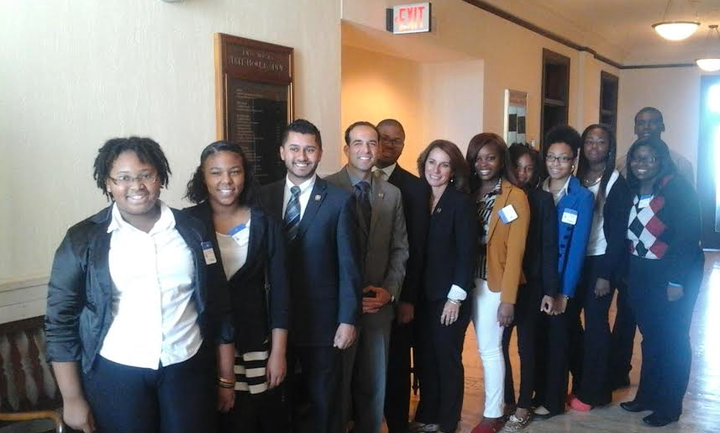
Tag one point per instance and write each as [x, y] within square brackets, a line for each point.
[511, 54]
[431, 100]
[675, 92]
[75, 73]
[377, 86]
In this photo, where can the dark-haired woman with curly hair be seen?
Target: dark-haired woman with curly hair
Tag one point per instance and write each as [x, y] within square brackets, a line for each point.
[249, 246]
[132, 327]
[664, 275]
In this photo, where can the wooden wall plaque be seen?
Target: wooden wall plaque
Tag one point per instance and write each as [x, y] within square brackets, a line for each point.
[254, 99]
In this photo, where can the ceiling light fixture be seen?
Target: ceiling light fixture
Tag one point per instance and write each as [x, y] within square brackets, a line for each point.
[711, 61]
[675, 30]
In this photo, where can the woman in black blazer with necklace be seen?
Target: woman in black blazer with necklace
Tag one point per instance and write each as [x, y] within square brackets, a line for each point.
[250, 248]
[443, 317]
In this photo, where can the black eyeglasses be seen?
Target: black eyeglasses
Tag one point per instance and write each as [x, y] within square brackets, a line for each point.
[643, 160]
[562, 159]
[395, 142]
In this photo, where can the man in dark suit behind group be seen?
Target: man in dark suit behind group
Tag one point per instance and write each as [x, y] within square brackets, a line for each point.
[324, 270]
[416, 204]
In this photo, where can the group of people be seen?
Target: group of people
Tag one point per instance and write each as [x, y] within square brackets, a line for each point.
[309, 292]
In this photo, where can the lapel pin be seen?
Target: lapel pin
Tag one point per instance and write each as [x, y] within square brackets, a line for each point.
[381, 194]
[439, 210]
[317, 197]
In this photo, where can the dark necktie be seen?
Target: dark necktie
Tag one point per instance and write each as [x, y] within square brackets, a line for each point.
[362, 193]
[292, 213]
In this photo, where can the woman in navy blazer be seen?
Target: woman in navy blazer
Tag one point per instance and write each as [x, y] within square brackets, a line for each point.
[443, 317]
[249, 246]
[574, 206]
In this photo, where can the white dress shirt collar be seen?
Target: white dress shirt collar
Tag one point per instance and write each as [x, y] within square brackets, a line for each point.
[165, 222]
[387, 170]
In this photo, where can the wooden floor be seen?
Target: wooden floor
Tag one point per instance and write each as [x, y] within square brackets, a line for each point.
[702, 401]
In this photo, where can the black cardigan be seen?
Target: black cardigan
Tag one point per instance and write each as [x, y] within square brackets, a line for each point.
[615, 219]
[680, 213]
[247, 288]
[540, 263]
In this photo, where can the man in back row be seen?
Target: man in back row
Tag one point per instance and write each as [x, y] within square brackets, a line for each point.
[416, 202]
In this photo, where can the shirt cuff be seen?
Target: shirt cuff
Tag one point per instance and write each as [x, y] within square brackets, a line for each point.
[457, 293]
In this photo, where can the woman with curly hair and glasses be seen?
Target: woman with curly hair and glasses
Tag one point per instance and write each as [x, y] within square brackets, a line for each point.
[132, 327]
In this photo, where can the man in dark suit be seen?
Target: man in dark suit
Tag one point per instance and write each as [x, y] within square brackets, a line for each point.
[384, 253]
[324, 269]
[416, 202]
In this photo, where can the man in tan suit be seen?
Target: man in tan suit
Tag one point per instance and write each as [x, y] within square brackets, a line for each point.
[384, 248]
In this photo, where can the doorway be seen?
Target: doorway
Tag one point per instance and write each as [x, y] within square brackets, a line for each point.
[709, 160]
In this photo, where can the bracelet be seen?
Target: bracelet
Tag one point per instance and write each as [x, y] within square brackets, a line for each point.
[454, 301]
[226, 383]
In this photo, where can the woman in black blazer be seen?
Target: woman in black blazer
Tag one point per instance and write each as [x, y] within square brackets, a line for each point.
[249, 247]
[541, 275]
[443, 317]
[664, 275]
[589, 352]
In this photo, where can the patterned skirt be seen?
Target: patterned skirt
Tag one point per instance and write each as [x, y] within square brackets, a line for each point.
[250, 369]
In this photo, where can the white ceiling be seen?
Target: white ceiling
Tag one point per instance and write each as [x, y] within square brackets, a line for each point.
[621, 29]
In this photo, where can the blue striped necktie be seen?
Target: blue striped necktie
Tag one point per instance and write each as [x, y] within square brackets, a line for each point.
[292, 213]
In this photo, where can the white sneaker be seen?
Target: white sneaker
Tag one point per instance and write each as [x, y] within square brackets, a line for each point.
[540, 410]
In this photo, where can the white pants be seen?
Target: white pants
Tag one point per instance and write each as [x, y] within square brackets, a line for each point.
[489, 340]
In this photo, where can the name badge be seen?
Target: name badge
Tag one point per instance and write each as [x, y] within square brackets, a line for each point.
[236, 233]
[569, 216]
[209, 253]
[508, 214]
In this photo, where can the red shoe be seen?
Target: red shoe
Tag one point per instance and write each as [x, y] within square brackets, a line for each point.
[489, 426]
[579, 406]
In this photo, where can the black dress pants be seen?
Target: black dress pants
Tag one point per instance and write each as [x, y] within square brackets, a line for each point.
[623, 337]
[442, 376]
[527, 311]
[397, 388]
[551, 375]
[589, 352]
[322, 374]
[174, 399]
[259, 413]
[665, 328]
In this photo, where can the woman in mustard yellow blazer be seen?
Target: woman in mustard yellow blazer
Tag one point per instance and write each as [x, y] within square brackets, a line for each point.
[503, 215]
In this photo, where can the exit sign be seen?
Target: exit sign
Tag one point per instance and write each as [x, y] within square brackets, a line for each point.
[410, 18]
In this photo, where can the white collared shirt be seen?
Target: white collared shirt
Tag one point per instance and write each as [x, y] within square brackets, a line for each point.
[305, 191]
[560, 194]
[154, 316]
[388, 171]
